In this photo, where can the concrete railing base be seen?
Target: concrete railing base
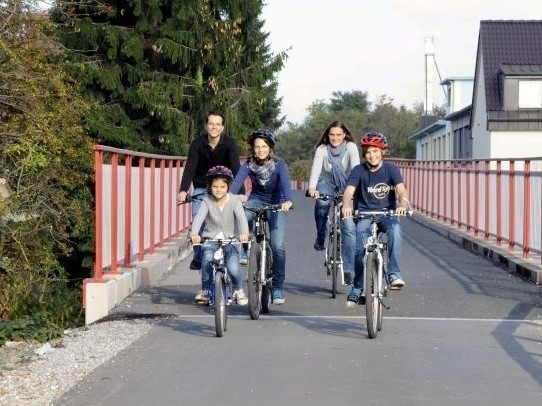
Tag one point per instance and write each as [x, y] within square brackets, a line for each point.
[101, 296]
[513, 261]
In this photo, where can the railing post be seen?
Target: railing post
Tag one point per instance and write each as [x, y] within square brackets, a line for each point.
[511, 206]
[98, 179]
[487, 200]
[114, 210]
[527, 209]
[128, 212]
[498, 210]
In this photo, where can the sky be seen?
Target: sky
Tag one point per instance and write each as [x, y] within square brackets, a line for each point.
[377, 46]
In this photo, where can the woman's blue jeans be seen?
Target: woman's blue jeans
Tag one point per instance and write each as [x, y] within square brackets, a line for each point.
[322, 208]
[231, 260]
[277, 228]
[392, 227]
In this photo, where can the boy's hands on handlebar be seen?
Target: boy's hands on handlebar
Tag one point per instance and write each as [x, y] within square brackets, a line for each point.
[312, 193]
[346, 211]
[401, 211]
[243, 238]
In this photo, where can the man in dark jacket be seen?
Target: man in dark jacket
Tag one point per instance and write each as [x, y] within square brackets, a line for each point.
[210, 149]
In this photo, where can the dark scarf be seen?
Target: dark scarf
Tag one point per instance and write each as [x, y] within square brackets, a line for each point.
[262, 171]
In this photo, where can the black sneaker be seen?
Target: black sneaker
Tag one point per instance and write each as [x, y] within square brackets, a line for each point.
[347, 278]
[195, 265]
[319, 245]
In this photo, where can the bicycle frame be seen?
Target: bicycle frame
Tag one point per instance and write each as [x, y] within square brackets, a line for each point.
[375, 286]
[221, 283]
[333, 254]
[260, 276]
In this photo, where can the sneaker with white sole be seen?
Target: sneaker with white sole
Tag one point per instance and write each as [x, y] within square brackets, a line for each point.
[397, 283]
[244, 259]
[240, 298]
[353, 297]
[203, 297]
[278, 297]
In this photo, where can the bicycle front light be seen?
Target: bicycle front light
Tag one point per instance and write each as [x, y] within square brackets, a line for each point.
[218, 255]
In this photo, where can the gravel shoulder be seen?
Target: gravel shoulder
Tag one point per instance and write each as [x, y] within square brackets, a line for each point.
[38, 374]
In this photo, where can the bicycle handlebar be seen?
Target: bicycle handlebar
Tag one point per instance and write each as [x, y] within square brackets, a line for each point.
[378, 213]
[191, 198]
[267, 207]
[323, 196]
[220, 241]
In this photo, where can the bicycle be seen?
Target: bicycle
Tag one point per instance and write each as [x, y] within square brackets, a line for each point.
[333, 258]
[376, 280]
[260, 262]
[221, 283]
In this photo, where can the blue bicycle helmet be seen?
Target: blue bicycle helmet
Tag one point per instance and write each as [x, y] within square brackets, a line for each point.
[219, 171]
[262, 133]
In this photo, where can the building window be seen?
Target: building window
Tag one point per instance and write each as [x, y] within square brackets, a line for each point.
[530, 94]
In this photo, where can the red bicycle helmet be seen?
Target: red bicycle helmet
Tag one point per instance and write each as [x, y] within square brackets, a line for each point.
[374, 139]
[220, 171]
[262, 133]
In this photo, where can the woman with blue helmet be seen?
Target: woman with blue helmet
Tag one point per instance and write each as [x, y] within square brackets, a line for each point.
[270, 185]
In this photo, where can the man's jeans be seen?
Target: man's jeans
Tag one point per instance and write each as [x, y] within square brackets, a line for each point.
[196, 203]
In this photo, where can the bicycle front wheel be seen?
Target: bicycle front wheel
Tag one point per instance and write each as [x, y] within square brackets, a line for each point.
[221, 312]
[373, 301]
[254, 283]
[334, 258]
[266, 285]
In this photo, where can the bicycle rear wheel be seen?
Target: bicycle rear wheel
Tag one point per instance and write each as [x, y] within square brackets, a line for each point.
[266, 286]
[373, 303]
[254, 284]
[221, 312]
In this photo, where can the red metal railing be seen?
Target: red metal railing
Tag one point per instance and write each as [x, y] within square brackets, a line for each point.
[499, 200]
[136, 208]
[143, 188]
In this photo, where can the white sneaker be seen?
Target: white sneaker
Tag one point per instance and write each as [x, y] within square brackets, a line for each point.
[203, 297]
[240, 298]
[397, 283]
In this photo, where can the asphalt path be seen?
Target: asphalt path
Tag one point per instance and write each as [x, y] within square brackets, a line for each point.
[463, 331]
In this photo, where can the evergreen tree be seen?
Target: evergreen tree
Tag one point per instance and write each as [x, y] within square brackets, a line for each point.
[152, 69]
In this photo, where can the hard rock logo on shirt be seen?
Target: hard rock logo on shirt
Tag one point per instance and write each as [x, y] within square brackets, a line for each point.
[380, 190]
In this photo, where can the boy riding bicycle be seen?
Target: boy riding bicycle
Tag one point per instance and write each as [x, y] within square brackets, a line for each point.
[376, 185]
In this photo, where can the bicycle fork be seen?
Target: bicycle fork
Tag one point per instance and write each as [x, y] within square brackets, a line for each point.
[382, 291]
[263, 265]
[226, 283]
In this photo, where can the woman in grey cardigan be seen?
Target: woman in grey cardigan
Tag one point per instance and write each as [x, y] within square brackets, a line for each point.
[336, 154]
[222, 216]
